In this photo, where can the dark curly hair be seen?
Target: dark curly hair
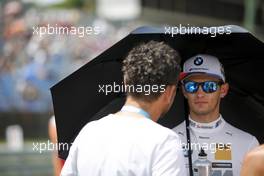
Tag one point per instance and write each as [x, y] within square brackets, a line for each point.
[151, 63]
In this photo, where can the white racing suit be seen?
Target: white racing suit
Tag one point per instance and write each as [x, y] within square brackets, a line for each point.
[224, 145]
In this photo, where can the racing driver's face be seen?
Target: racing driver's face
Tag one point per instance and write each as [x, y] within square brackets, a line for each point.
[202, 103]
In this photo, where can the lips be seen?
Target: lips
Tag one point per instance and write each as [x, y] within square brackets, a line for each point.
[200, 102]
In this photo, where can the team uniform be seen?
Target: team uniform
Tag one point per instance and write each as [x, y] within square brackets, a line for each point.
[124, 145]
[224, 145]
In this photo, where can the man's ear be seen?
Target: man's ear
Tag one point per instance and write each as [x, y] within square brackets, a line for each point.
[224, 90]
[170, 93]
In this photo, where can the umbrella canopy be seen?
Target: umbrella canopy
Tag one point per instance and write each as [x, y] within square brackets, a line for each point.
[81, 97]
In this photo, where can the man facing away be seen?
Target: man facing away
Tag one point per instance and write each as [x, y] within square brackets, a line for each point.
[204, 85]
[130, 143]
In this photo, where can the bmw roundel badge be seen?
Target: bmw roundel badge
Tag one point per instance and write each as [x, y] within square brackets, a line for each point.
[198, 61]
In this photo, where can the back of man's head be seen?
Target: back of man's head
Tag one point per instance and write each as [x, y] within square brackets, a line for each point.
[149, 68]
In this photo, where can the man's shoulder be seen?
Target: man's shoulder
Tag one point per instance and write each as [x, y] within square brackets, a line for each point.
[162, 130]
[94, 125]
[238, 133]
[180, 129]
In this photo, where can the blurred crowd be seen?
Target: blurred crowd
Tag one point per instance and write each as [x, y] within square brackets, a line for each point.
[30, 64]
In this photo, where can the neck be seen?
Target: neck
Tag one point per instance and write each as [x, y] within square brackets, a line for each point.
[204, 118]
[148, 107]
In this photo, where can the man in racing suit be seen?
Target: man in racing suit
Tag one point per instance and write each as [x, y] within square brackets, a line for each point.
[203, 85]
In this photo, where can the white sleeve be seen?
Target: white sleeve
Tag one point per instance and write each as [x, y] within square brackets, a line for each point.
[253, 144]
[70, 166]
[168, 159]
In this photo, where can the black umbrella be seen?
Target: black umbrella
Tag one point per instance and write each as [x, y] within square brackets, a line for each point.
[79, 99]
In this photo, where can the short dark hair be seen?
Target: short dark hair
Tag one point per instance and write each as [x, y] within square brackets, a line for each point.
[151, 63]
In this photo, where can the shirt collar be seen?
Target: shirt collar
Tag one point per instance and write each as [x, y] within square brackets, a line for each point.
[218, 123]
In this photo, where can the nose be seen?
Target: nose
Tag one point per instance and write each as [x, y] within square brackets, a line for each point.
[200, 93]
